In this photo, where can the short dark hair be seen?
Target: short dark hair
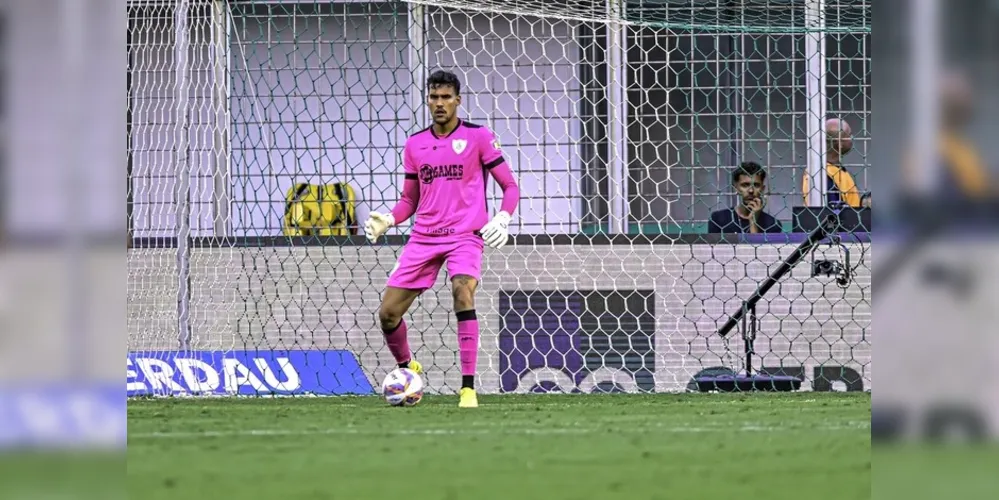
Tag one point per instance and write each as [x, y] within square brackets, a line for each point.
[750, 168]
[441, 78]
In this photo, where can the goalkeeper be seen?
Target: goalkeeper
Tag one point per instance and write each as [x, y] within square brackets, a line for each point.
[445, 186]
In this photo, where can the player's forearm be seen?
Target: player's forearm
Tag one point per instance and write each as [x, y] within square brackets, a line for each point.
[511, 191]
[408, 202]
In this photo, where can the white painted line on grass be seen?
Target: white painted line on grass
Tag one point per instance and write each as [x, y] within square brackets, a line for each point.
[512, 429]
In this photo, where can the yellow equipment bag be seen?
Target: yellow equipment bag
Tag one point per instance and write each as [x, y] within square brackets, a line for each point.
[320, 210]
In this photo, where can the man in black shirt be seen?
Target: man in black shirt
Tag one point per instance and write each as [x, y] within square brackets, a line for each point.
[750, 182]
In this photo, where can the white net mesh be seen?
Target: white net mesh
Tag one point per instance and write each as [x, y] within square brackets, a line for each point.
[613, 120]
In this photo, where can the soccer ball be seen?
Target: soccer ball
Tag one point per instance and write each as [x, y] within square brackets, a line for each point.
[402, 387]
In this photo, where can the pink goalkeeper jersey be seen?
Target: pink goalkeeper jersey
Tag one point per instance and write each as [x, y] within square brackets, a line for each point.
[452, 173]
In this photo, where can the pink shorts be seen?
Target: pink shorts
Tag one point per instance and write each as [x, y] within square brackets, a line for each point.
[421, 260]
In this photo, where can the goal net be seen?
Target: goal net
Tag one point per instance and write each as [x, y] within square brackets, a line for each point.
[261, 134]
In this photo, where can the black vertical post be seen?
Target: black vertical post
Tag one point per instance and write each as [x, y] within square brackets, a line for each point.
[129, 98]
[4, 89]
[748, 328]
[730, 81]
[594, 150]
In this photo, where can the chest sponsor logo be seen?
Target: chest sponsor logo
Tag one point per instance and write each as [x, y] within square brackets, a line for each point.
[430, 173]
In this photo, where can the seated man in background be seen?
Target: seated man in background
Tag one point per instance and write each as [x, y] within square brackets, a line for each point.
[963, 173]
[841, 187]
[750, 182]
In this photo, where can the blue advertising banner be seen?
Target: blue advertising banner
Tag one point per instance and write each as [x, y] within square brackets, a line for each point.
[245, 373]
[62, 417]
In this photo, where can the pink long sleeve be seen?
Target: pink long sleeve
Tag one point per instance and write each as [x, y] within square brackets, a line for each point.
[410, 199]
[511, 192]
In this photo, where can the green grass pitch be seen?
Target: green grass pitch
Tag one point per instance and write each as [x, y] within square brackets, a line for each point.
[671, 447]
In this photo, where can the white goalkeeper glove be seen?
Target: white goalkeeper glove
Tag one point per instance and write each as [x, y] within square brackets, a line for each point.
[495, 233]
[377, 224]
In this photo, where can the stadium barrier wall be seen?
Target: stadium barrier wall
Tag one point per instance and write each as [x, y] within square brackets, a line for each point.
[638, 317]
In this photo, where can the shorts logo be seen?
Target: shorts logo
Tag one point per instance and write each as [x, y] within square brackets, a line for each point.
[458, 145]
[396, 266]
[448, 172]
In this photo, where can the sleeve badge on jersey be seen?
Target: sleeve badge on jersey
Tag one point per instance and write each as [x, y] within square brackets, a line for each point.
[496, 144]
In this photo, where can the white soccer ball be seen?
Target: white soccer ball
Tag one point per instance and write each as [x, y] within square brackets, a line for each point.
[402, 387]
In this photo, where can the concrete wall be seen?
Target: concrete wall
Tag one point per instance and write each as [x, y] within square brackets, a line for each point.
[327, 297]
